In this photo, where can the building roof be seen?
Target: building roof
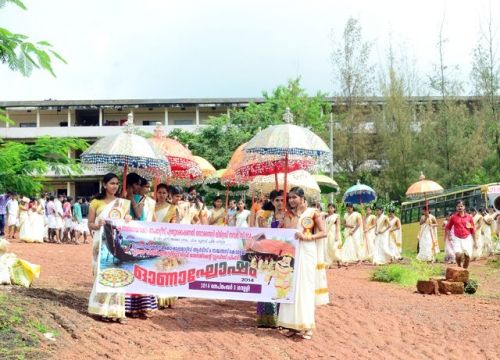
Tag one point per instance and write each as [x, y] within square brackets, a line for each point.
[203, 102]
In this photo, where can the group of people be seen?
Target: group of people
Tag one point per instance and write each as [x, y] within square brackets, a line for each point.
[375, 238]
[470, 235]
[46, 219]
[172, 205]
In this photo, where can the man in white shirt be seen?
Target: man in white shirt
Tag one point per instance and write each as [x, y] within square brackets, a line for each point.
[12, 216]
[59, 216]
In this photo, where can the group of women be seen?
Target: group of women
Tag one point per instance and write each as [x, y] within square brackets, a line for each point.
[31, 220]
[296, 319]
[372, 238]
[169, 207]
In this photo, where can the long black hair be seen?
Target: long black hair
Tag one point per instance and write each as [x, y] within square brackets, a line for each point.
[106, 179]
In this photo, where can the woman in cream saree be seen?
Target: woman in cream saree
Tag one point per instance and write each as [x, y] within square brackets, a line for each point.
[109, 306]
[299, 318]
[167, 212]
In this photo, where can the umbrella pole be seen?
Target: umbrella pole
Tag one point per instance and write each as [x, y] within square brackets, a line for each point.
[157, 180]
[124, 181]
[276, 186]
[227, 203]
[285, 188]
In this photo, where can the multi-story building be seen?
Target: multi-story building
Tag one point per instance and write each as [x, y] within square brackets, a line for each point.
[93, 119]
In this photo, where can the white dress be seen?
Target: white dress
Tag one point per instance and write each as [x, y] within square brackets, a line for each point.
[354, 245]
[242, 218]
[478, 250]
[487, 230]
[395, 238]
[334, 240]
[370, 236]
[24, 225]
[428, 245]
[321, 282]
[37, 221]
[381, 252]
[12, 213]
[300, 314]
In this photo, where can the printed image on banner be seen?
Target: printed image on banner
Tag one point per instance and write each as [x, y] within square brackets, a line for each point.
[200, 261]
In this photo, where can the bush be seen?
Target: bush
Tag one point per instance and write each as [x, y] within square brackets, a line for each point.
[471, 287]
[406, 274]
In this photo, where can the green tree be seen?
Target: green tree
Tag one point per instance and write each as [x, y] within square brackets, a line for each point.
[308, 111]
[396, 130]
[22, 166]
[485, 76]
[22, 55]
[354, 75]
[448, 129]
[223, 134]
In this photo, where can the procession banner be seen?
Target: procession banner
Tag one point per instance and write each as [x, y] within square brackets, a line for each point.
[200, 261]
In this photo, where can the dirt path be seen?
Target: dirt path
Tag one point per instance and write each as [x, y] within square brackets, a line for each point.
[366, 320]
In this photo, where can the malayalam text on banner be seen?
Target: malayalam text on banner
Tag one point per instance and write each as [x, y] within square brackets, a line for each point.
[253, 264]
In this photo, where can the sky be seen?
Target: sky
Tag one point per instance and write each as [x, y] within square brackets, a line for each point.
[163, 49]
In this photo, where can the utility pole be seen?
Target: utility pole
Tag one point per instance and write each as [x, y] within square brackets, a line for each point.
[330, 197]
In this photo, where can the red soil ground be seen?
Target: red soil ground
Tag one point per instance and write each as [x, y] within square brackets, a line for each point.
[366, 320]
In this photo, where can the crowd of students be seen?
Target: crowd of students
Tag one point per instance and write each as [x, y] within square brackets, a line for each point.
[46, 219]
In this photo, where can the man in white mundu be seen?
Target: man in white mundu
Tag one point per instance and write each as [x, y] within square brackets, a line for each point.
[427, 237]
[461, 236]
[381, 252]
[354, 246]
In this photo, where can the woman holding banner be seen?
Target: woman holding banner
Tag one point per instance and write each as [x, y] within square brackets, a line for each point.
[109, 306]
[267, 312]
[298, 318]
[167, 212]
[138, 305]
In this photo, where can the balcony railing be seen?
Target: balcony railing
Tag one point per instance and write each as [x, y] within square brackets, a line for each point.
[79, 131]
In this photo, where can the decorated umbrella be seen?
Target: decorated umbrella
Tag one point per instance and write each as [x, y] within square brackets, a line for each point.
[359, 194]
[207, 169]
[326, 184]
[214, 182]
[185, 169]
[229, 176]
[424, 188]
[300, 178]
[283, 148]
[127, 151]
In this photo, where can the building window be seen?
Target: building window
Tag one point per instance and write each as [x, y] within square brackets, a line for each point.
[149, 122]
[183, 122]
[86, 117]
[25, 125]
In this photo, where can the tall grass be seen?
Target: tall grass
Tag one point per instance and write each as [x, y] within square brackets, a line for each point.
[406, 274]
